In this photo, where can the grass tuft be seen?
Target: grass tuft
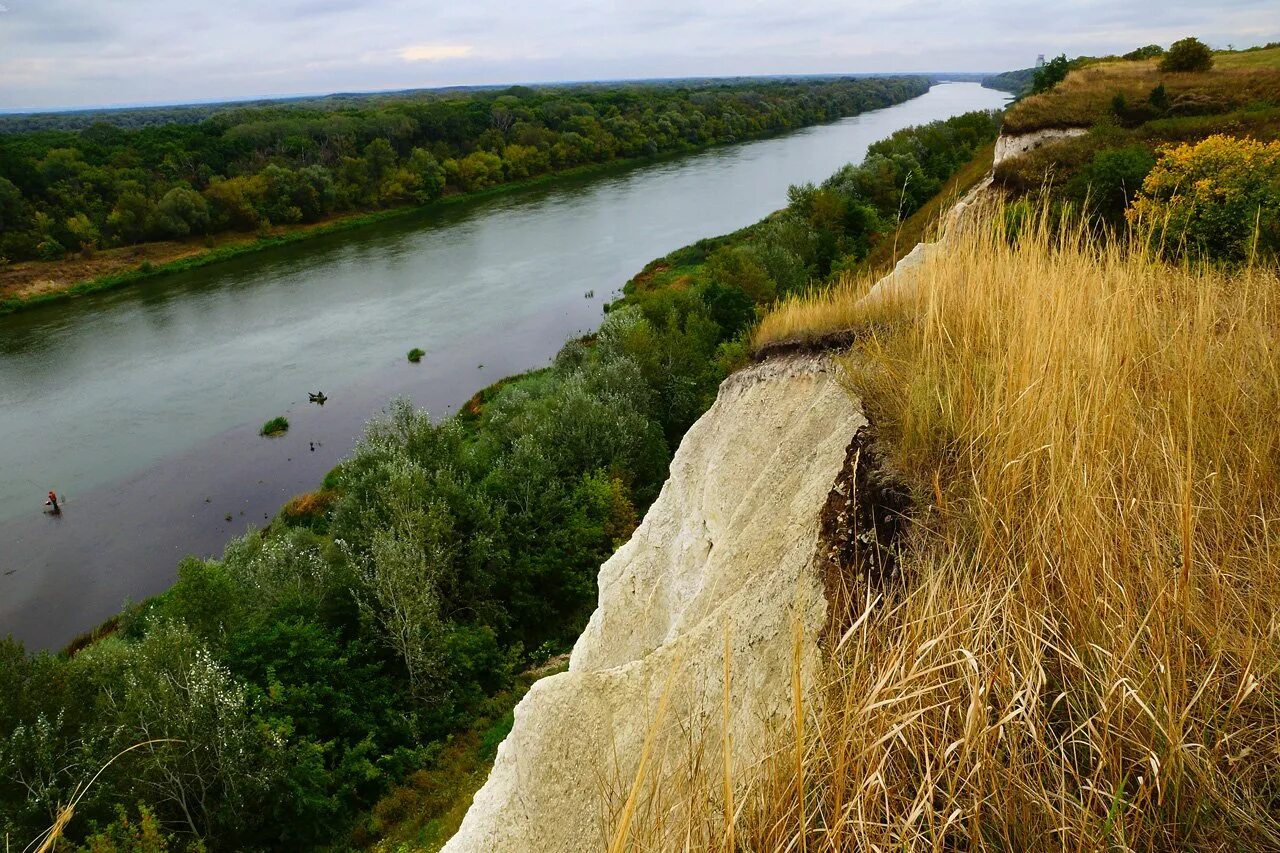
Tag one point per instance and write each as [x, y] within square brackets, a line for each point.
[274, 427]
[416, 354]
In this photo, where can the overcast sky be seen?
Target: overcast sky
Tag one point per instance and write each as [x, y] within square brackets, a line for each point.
[72, 53]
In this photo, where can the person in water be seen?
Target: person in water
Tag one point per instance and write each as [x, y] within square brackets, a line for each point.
[52, 502]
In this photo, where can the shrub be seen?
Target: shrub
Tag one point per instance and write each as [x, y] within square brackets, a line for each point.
[1218, 198]
[416, 354]
[275, 426]
[1188, 54]
[50, 249]
[1112, 178]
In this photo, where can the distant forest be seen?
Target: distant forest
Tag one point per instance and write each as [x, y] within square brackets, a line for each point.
[1016, 82]
[249, 168]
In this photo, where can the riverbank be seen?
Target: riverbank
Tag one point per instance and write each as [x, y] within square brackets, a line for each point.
[27, 284]
[30, 283]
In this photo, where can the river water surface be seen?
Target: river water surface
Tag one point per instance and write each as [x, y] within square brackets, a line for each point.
[142, 405]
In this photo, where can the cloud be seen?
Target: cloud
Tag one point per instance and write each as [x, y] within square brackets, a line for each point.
[435, 52]
[64, 53]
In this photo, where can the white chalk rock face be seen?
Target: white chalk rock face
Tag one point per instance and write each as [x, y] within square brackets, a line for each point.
[729, 546]
[1019, 144]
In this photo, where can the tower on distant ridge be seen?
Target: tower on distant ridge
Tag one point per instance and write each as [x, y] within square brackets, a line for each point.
[1040, 61]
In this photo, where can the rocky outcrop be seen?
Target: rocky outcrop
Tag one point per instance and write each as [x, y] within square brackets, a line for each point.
[899, 280]
[1013, 146]
[726, 557]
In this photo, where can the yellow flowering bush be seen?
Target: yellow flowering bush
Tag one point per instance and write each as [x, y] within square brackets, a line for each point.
[1213, 198]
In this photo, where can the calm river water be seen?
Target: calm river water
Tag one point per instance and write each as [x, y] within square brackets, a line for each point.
[142, 405]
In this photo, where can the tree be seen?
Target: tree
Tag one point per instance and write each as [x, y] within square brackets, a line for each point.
[1113, 178]
[182, 211]
[130, 219]
[207, 760]
[379, 157]
[1050, 74]
[426, 174]
[1150, 51]
[82, 229]
[12, 209]
[479, 170]
[401, 583]
[231, 200]
[1188, 54]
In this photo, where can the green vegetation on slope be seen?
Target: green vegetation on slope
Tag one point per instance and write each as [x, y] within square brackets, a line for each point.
[244, 170]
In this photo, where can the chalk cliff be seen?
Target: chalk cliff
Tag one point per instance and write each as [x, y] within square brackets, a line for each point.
[729, 548]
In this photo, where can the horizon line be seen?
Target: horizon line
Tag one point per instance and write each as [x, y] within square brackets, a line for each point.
[276, 98]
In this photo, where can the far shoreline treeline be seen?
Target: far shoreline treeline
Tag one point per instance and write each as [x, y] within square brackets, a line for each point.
[70, 194]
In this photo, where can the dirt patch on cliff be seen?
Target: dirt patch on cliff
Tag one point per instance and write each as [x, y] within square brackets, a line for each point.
[862, 527]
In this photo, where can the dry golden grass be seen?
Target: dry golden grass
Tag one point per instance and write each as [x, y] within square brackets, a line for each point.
[1085, 96]
[812, 317]
[1084, 656]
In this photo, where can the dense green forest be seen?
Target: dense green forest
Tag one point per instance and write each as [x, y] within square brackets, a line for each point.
[281, 690]
[247, 169]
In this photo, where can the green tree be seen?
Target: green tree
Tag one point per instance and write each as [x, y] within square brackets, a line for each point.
[13, 214]
[1112, 179]
[182, 211]
[131, 217]
[479, 170]
[1050, 74]
[1150, 51]
[1188, 54]
[83, 231]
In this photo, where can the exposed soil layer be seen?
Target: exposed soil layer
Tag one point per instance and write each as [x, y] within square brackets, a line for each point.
[862, 527]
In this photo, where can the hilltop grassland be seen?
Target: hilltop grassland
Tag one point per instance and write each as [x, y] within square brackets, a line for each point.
[1142, 125]
[1082, 649]
[1236, 81]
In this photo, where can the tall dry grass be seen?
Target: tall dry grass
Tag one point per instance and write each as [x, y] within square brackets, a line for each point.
[1084, 655]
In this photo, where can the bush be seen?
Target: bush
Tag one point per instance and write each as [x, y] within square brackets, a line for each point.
[416, 354]
[50, 249]
[1213, 199]
[1188, 54]
[1112, 178]
[275, 426]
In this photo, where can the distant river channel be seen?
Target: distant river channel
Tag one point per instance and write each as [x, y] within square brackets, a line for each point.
[142, 405]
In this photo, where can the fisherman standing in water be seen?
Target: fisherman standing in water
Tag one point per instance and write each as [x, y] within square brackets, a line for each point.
[53, 503]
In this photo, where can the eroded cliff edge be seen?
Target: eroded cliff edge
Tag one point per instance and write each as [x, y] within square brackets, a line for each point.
[729, 548]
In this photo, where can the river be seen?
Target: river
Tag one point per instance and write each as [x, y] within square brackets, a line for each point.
[142, 405]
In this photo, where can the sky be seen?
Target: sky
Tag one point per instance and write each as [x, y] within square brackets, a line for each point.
[57, 54]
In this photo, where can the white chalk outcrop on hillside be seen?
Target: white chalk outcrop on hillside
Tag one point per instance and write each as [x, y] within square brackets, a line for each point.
[730, 542]
[1019, 144]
